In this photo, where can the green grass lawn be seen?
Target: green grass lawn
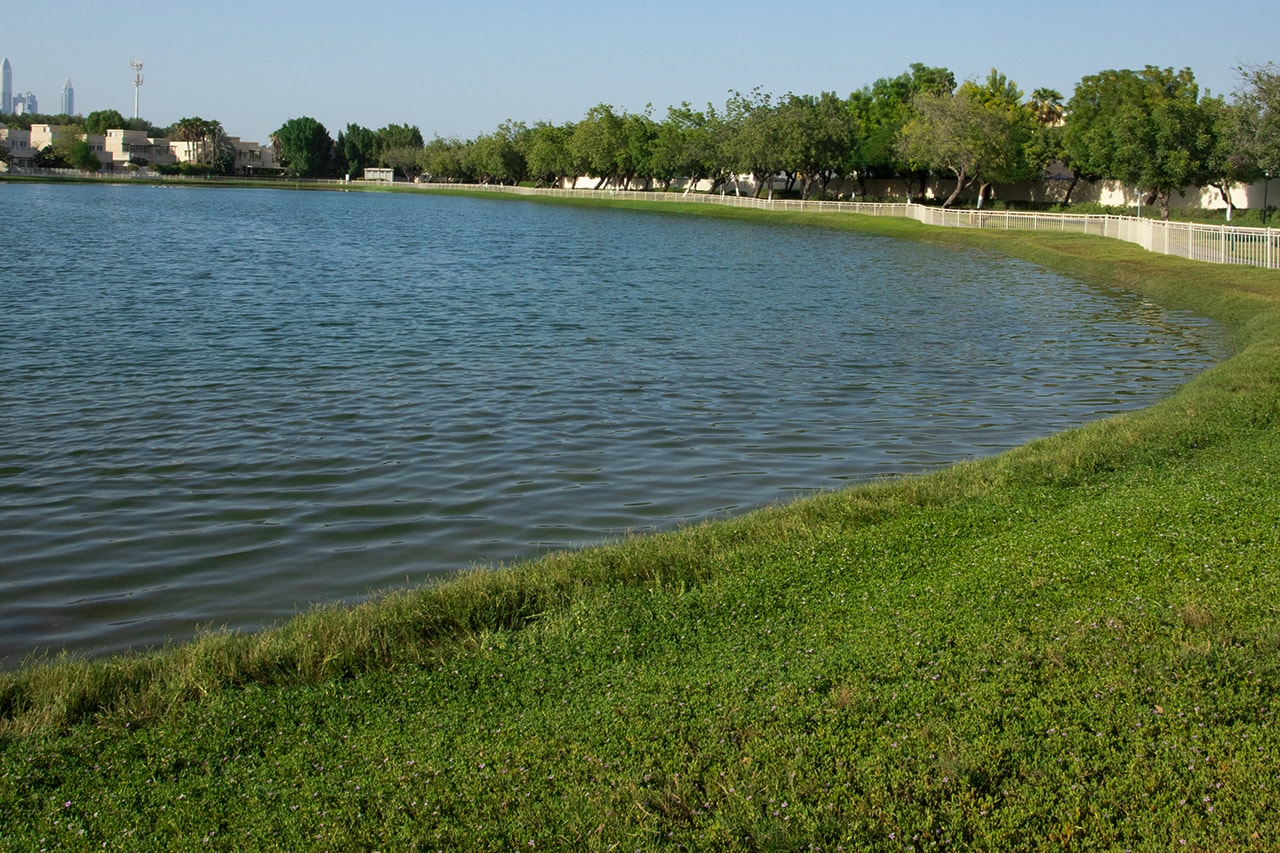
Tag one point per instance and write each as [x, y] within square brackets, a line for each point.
[1074, 645]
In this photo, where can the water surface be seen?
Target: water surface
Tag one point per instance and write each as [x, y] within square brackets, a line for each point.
[221, 406]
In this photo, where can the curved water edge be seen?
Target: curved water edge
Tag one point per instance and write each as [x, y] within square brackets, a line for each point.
[229, 404]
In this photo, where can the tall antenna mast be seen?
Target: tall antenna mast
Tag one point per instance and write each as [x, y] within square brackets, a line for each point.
[136, 65]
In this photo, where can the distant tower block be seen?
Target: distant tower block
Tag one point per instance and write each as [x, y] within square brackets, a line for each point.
[6, 87]
[136, 65]
[68, 98]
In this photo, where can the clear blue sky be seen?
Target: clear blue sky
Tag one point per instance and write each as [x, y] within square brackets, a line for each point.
[461, 68]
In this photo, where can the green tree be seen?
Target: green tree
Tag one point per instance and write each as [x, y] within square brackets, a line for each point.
[223, 160]
[398, 146]
[100, 121]
[1016, 157]
[191, 131]
[689, 143]
[755, 140]
[395, 136]
[208, 144]
[356, 150]
[1143, 128]
[406, 160]
[82, 157]
[442, 160]
[668, 159]
[143, 125]
[1248, 136]
[980, 134]
[496, 158]
[948, 132]
[304, 147]
[817, 134]
[72, 151]
[1230, 159]
[547, 156]
[49, 158]
[1256, 134]
[5, 156]
[636, 155]
[1046, 105]
[1046, 144]
[515, 143]
[26, 120]
[880, 111]
[598, 143]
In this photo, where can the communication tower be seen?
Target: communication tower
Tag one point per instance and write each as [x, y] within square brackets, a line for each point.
[136, 65]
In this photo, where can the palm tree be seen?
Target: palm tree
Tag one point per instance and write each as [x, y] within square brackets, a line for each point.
[220, 152]
[191, 131]
[206, 139]
[1047, 105]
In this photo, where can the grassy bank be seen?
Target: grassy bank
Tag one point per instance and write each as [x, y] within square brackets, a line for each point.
[1074, 645]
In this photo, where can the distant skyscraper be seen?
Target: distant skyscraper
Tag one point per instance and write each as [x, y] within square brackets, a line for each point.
[6, 87]
[68, 98]
[25, 104]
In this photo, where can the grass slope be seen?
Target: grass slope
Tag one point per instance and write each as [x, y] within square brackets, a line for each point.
[1073, 645]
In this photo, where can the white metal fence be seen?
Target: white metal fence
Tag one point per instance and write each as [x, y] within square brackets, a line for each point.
[1221, 244]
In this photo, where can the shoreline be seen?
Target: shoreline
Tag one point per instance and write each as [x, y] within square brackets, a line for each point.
[1188, 239]
[896, 227]
[925, 655]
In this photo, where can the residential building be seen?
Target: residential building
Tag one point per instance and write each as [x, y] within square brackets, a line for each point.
[250, 156]
[18, 142]
[23, 145]
[117, 149]
[132, 146]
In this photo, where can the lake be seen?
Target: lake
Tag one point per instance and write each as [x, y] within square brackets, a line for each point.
[221, 406]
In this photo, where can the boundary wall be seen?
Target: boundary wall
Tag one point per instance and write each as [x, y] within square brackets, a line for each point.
[1219, 244]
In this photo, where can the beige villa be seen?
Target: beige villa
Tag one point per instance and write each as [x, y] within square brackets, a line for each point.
[118, 148]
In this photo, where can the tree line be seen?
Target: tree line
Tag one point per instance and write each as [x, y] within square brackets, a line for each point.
[1150, 129]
